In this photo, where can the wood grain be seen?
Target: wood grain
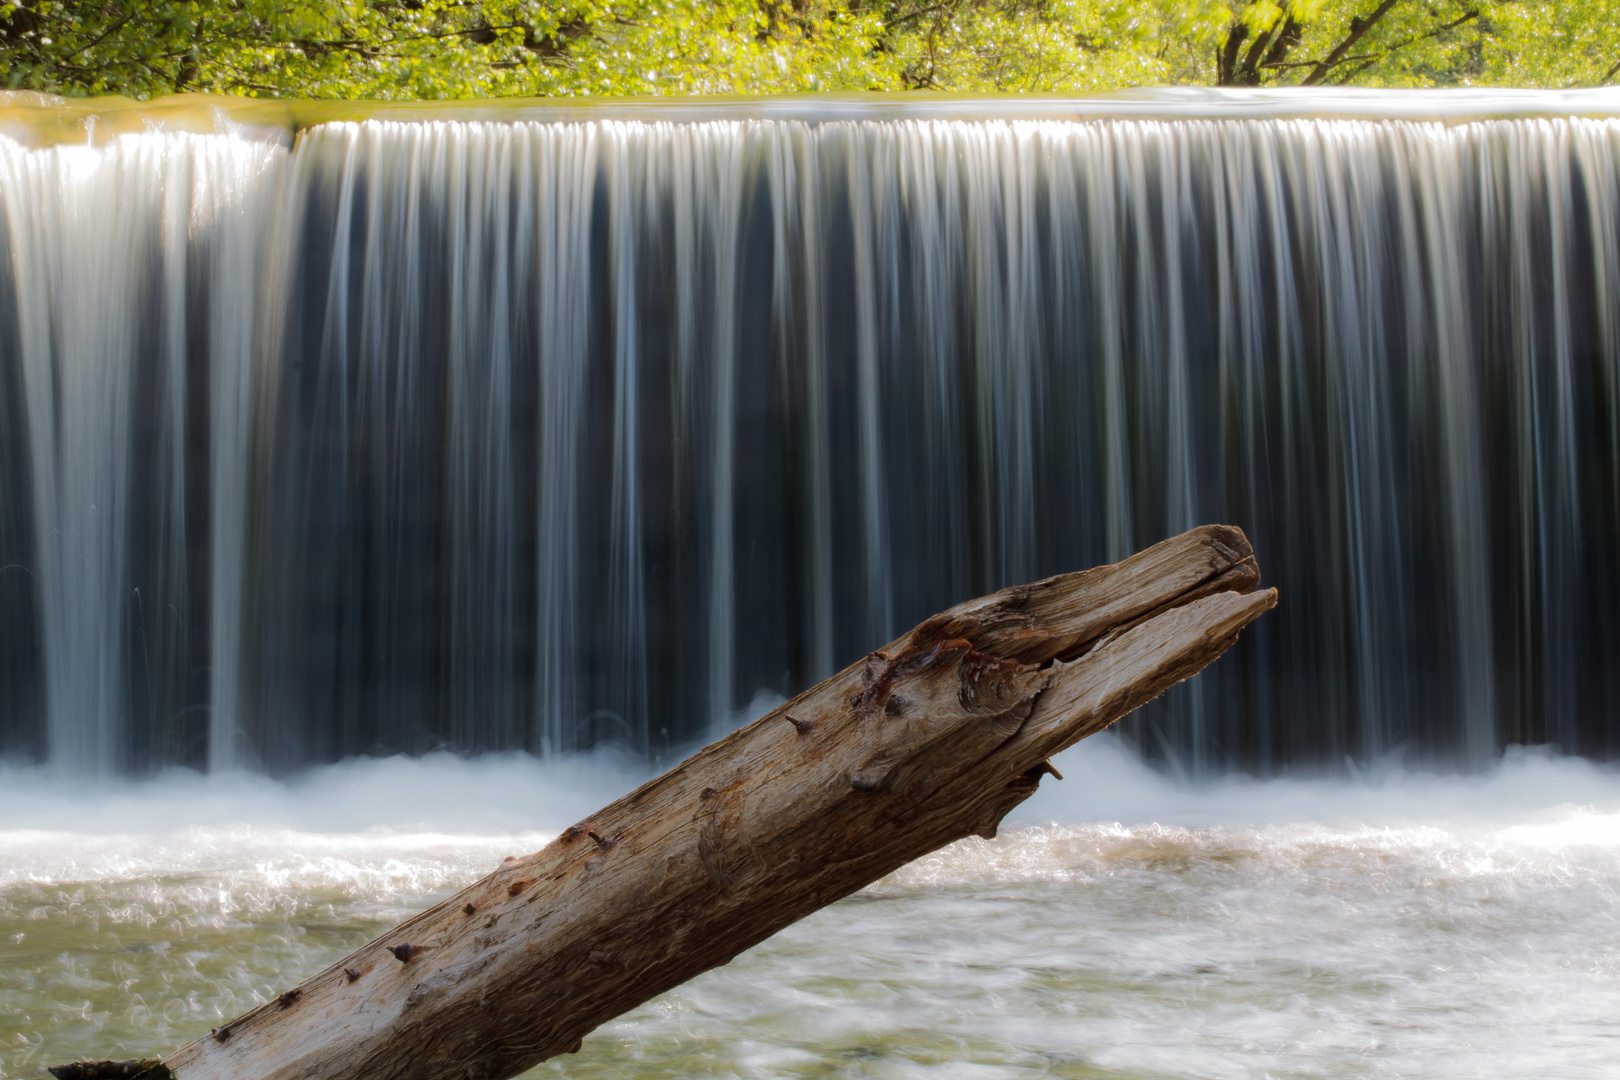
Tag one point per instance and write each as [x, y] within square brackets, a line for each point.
[931, 739]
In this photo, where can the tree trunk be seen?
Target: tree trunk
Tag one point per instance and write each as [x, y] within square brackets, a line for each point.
[932, 739]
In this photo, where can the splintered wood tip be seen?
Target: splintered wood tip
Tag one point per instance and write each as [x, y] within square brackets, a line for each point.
[144, 1068]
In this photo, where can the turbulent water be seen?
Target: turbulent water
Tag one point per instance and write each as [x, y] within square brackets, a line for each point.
[501, 434]
[1394, 924]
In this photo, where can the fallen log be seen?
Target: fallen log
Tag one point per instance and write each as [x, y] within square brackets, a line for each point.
[931, 739]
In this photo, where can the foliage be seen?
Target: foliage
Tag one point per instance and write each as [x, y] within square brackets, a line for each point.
[494, 48]
[1556, 44]
[1433, 43]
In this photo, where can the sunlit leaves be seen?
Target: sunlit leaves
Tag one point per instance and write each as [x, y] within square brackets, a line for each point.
[496, 48]
[1553, 44]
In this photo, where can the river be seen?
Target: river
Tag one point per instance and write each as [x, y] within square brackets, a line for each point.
[1390, 924]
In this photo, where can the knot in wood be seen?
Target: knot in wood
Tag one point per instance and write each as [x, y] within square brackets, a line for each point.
[867, 780]
[883, 672]
[943, 627]
[991, 686]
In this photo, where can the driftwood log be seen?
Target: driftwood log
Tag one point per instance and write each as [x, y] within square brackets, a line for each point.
[931, 739]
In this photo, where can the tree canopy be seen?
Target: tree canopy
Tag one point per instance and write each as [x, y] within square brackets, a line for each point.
[394, 49]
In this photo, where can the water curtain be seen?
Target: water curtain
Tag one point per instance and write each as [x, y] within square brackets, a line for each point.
[544, 435]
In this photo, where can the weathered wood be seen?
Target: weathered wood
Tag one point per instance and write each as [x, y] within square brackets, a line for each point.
[931, 739]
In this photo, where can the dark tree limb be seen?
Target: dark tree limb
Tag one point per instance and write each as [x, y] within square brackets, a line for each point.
[1359, 26]
[133, 1069]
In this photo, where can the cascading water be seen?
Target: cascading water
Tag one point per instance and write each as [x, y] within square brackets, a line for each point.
[540, 435]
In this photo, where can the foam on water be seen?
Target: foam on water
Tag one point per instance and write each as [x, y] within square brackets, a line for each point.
[54, 830]
[1390, 923]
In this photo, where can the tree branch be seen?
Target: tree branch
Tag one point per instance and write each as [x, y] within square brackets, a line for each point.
[1373, 57]
[936, 737]
[1268, 50]
[912, 16]
[1226, 57]
[1257, 52]
[109, 32]
[1291, 33]
[1353, 72]
[1358, 30]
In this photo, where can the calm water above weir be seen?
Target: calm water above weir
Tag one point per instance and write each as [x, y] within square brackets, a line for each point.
[1396, 925]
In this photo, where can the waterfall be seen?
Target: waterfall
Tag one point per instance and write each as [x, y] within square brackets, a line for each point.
[510, 434]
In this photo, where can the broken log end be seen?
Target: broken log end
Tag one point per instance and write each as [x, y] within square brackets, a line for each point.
[132, 1069]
